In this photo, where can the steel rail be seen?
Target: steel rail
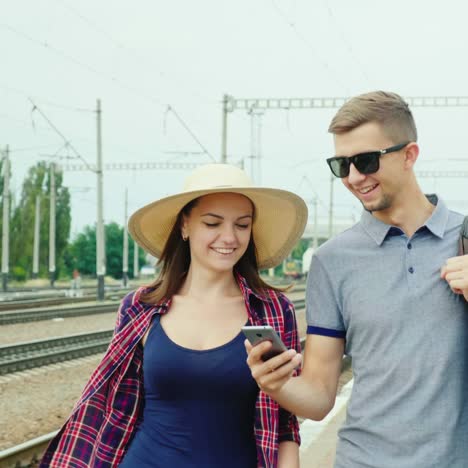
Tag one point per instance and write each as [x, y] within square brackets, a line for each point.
[47, 302]
[26, 454]
[43, 300]
[31, 315]
[28, 355]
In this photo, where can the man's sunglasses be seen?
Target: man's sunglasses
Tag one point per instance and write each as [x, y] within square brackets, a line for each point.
[365, 163]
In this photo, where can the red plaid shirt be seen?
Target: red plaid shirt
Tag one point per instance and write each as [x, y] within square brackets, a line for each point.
[104, 419]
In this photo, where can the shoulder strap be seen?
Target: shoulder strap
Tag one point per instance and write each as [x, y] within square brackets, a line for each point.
[463, 241]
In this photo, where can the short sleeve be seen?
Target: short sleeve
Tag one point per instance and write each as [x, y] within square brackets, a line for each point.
[323, 311]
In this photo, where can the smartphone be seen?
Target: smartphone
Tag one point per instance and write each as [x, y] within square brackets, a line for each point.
[258, 334]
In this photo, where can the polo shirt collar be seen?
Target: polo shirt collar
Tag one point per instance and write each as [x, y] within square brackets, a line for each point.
[436, 223]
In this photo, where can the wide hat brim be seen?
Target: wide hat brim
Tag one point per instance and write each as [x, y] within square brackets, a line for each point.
[280, 220]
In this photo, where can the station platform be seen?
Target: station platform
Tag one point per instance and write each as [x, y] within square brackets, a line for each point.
[319, 437]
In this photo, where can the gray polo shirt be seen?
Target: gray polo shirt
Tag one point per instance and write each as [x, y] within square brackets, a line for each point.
[407, 334]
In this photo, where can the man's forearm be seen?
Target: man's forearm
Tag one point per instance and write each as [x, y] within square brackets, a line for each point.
[305, 398]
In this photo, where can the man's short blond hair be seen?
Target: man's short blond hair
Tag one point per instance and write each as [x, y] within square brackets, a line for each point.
[387, 109]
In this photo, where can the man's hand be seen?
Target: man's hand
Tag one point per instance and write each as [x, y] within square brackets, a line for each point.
[455, 272]
[271, 375]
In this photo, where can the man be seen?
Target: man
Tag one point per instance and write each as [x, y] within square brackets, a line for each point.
[391, 293]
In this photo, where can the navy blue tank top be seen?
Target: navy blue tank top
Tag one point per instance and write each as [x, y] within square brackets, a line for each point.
[199, 407]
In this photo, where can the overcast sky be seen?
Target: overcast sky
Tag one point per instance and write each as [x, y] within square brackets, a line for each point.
[142, 58]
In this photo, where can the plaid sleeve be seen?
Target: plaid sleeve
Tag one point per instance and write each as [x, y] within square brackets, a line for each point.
[288, 424]
[125, 303]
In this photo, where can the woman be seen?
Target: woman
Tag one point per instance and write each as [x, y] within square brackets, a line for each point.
[197, 405]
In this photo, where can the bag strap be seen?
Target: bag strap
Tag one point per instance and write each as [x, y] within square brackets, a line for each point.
[463, 241]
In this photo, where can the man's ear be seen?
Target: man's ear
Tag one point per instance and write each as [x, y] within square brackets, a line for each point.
[411, 154]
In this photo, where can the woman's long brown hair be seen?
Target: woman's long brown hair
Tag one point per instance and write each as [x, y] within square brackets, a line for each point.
[175, 263]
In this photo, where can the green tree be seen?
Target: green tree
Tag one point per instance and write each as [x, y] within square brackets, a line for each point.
[2, 178]
[81, 253]
[1, 193]
[37, 183]
[299, 249]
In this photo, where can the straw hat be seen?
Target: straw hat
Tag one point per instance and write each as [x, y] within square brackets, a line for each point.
[280, 216]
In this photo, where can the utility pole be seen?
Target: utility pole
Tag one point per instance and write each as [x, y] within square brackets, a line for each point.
[6, 220]
[224, 130]
[100, 255]
[259, 148]
[52, 226]
[252, 144]
[256, 145]
[136, 267]
[125, 244]
[37, 224]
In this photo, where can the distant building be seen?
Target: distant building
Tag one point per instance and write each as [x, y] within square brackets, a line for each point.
[147, 271]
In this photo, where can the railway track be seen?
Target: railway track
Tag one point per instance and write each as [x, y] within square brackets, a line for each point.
[56, 289]
[41, 313]
[48, 302]
[22, 303]
[23, 356]
[27, 454]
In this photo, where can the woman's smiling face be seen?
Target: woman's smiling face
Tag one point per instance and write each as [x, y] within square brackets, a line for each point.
[218, 228]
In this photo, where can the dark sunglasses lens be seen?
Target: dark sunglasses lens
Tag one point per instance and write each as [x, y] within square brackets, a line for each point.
[340, 167]
[367, 163]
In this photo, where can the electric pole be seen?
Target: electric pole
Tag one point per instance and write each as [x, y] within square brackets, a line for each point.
[125, 244]
[100, 255]
[256, 145]
[224, 130]
[52, 226]
[136, 267]
[37, 225]
[6, 220]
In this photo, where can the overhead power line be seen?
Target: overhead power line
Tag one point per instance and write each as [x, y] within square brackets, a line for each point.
[66, 141]
[82, 64]
[309, 45]
[112, 78]
[171, 109]
[346, 42]
[121, 46]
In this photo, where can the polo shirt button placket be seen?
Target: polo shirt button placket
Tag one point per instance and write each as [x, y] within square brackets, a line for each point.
[409, 246]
